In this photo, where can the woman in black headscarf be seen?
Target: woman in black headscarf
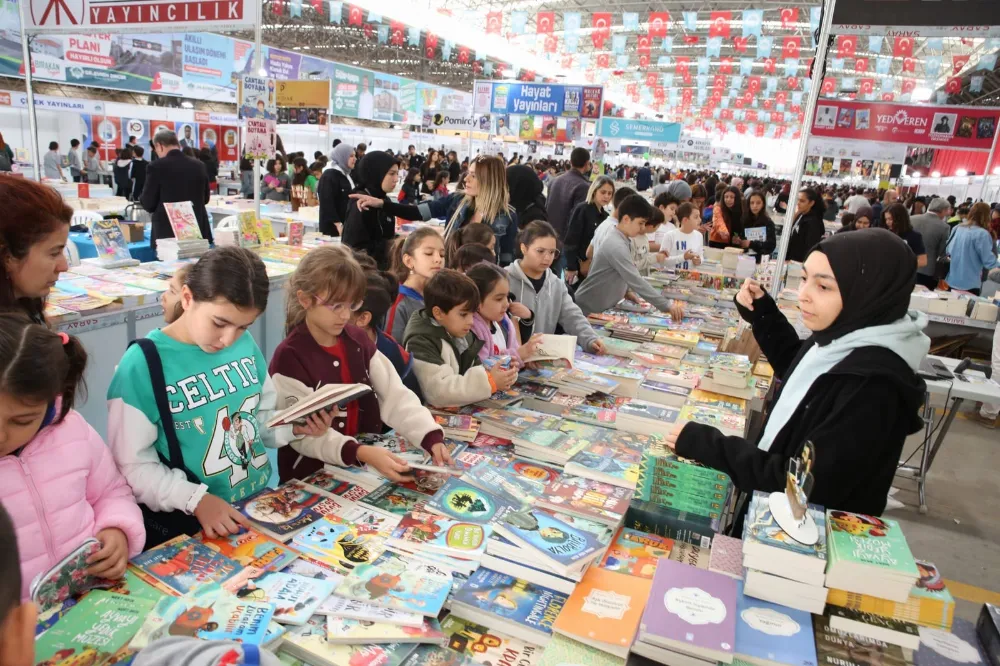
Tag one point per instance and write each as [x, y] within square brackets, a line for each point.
[526, 194]
[372, 230]
[851, 388]
[808, 229]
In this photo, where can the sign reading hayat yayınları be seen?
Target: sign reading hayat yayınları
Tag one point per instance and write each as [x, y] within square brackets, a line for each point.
[82, 16]
[544, 99]
[648, 130]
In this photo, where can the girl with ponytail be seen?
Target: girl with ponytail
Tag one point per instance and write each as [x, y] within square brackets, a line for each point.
[58, 479]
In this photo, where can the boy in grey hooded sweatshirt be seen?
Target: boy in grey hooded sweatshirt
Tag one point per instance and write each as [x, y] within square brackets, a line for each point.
[186, 651]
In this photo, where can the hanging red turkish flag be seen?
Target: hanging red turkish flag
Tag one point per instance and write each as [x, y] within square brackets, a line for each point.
[789, 16]
[790, 47]
[958, 63]
[767, 104]
[909, 64]
[463, 55]
[716, 97]
[781, 97]
[643, 43]
[861, 65]
[691, 40]
[551, 44]
[867, 86]
[355, 15]
[726, 65]
[644, 60]
[601, 22]
[747, 98]
[720, 126]
[829, 86]
[658, 22]
[528, 75]
[632, 89]
[682, 65]
[902, 47]
[909, 85]
[740, 44]
[603, 60]
[396, 30]
[769, 65]
[954, 85]
[795, 108]
[278, 7]
[719, 26]
[369, 31]
[652, 78]
[544, 22]
[317, 6]
[777, 117]
[658, 93]
[752, 115]
[846, 46]
[753, 84]
[567, 62]
[726, 114]
[792, 82]
[779, 131]
[719, 81]
[494, 23]
[687, 94]
[888, 97]
[759, 130]
[739, 103]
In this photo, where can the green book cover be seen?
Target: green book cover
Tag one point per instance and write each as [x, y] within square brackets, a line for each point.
[95, 630]
[879, 542]
[671, 523]
[685, 502]
[562, 651]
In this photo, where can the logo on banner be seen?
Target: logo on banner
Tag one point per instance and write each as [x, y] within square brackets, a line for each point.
[614, 128]
[135, 128]
[50, 13]
[901, 119]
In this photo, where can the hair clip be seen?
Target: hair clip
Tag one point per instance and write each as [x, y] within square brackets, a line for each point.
[64, 337]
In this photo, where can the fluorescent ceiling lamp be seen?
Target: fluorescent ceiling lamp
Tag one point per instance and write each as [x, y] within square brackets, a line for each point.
[936, 174]
[187, 105]
[961, 172]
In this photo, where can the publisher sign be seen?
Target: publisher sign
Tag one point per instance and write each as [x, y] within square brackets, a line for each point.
[119, 16]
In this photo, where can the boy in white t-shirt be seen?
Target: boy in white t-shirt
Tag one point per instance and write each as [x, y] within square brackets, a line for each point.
[667, 203]
[685, 246]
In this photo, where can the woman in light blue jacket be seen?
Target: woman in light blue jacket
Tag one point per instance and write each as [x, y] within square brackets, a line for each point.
[971, 250]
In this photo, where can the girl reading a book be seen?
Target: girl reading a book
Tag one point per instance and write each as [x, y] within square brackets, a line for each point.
[322, 347]
[851, 388]
[491, 323]
[186, 406]
[415, 260]
[57, 477]
[31, 255]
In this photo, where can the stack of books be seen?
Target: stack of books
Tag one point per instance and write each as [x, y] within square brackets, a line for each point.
[676, 483]
[869, 555]
[554, 440]
[837, 648]
[778, 568]
[169, 249]
[630, 332]
[462, 427]
[187, 242]
[616, 465]
[558, 545]
[771, 635]
[663, 393]
[729, 374]
[507, 423]
[646, 418]
[604, 611]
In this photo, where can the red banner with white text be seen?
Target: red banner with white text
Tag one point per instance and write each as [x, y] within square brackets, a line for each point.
[946, 126]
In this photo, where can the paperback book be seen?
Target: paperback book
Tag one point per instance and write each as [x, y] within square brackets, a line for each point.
[184, 565]
[363, 632]
[604, 610]
[295, 598]
[562, 547]
[636, 553]
[869, 555]
[394, 499]
[835, 648]
[352, 609]
[768, 634]
[288, 509]
[340, 543]
[97, 629]
[462, 501]
[515, 606]
[393, 582]
[251, 549]
[577, 495]
[431, 532]
[309, 643]
[562, 651]
[486, 646]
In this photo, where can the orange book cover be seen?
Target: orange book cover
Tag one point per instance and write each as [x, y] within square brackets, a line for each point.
[604, 610]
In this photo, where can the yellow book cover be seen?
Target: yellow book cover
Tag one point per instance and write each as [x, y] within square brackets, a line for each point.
[930, 603]
[702, 398]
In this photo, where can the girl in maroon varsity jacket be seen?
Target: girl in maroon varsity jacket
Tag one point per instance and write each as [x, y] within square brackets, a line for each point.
[323, 348]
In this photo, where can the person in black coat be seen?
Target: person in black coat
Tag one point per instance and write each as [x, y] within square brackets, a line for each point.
[583, 222]
[172, 178]
[137, 172]
[808, 229]
[373, 229]
[334, 189]
[856, 400]
[755, 216]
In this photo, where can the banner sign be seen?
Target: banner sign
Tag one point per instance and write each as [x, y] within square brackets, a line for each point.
[951, 126]
[690, 144]
[119, 16]
[258, 109]
[543, 99]
[649, 130]
[879, 151]
[920, 18]
[445, 121]
[304, 94]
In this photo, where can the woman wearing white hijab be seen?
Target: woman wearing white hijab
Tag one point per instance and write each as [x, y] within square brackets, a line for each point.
[334, 189]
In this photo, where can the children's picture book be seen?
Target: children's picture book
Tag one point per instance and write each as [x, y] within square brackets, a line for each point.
[463, 501]
[636, 553]
[248, 229]
[295, 597]
[488, 647]
[435, 655]
[265, 231]
[515, 488]
[110, 243]
[339, 543]
[428, 531]
[296, 231]
[394, 499]
[553, 348]
[67, 578]
[588, 498]
[288, 509]
[326, 482]
[511, 600]
[309, 643]
[136, 583]
[95, 630]
[604, 610]
[395, 582]
[560, 546]
[563, 651]
[306, 567]
[768, 634]
[210, 613]
[352, 609]
[184, 565]
[251, 549]
[617, 470]
[343, 630]
[183, 221]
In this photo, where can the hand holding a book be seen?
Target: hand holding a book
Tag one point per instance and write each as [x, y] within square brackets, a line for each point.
[597, 347]
[749, 292]
[531, 346]
[387, 463]
[441, 456]
[110, 561]
[316, 424]
[503, 379]
[217, 517]
[676, 311]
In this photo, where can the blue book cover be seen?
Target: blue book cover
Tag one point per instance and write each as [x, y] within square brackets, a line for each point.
[774, 633]
[184, 564]
[533, 606]
[392, 582]
[465, 502]
[559, 544]
[512, 487]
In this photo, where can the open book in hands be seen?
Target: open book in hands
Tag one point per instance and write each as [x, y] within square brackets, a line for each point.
[553, 348]
[319, 400]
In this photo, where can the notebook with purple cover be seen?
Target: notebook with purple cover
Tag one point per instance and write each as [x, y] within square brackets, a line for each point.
[692, 611]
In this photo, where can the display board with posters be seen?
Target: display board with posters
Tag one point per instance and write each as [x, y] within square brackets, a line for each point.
[258, 110]
[952, 126]
[540, 99]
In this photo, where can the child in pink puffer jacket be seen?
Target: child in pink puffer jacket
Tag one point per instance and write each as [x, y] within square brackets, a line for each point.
[58, 480]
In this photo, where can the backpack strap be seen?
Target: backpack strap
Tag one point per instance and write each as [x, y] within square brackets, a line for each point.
[159, 385]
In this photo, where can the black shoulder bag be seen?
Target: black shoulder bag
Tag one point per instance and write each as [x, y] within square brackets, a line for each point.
[943, 264]
[164, 525]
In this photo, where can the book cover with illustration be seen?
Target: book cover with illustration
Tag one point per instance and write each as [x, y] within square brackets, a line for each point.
[250, 548]
[728, 422]
[339, 543]
[459, 538]
[95, 630]
[395, 582]
[515, 488]
[327, 482]
[485, 646]
[714, 400]
[877, 542]
[636, 553]
[690, 554]
[436, 655]
[836, 648]
[109, 241]
[137, 583]
[296, 231]
[183, 221]
[589, 498]
[768, 633]
[532, 606]
[343, 630]
[184, 565]
[210, 613]
[604, 610]
[563, 651]
[306, 567]
[393, 499]
[619, 470]
[560, 545]
[295, 597]
[930, 604]
[762, 529]
[352, 609]
[248, 229]
[309, 643]
[291, 507]
[463, 501]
